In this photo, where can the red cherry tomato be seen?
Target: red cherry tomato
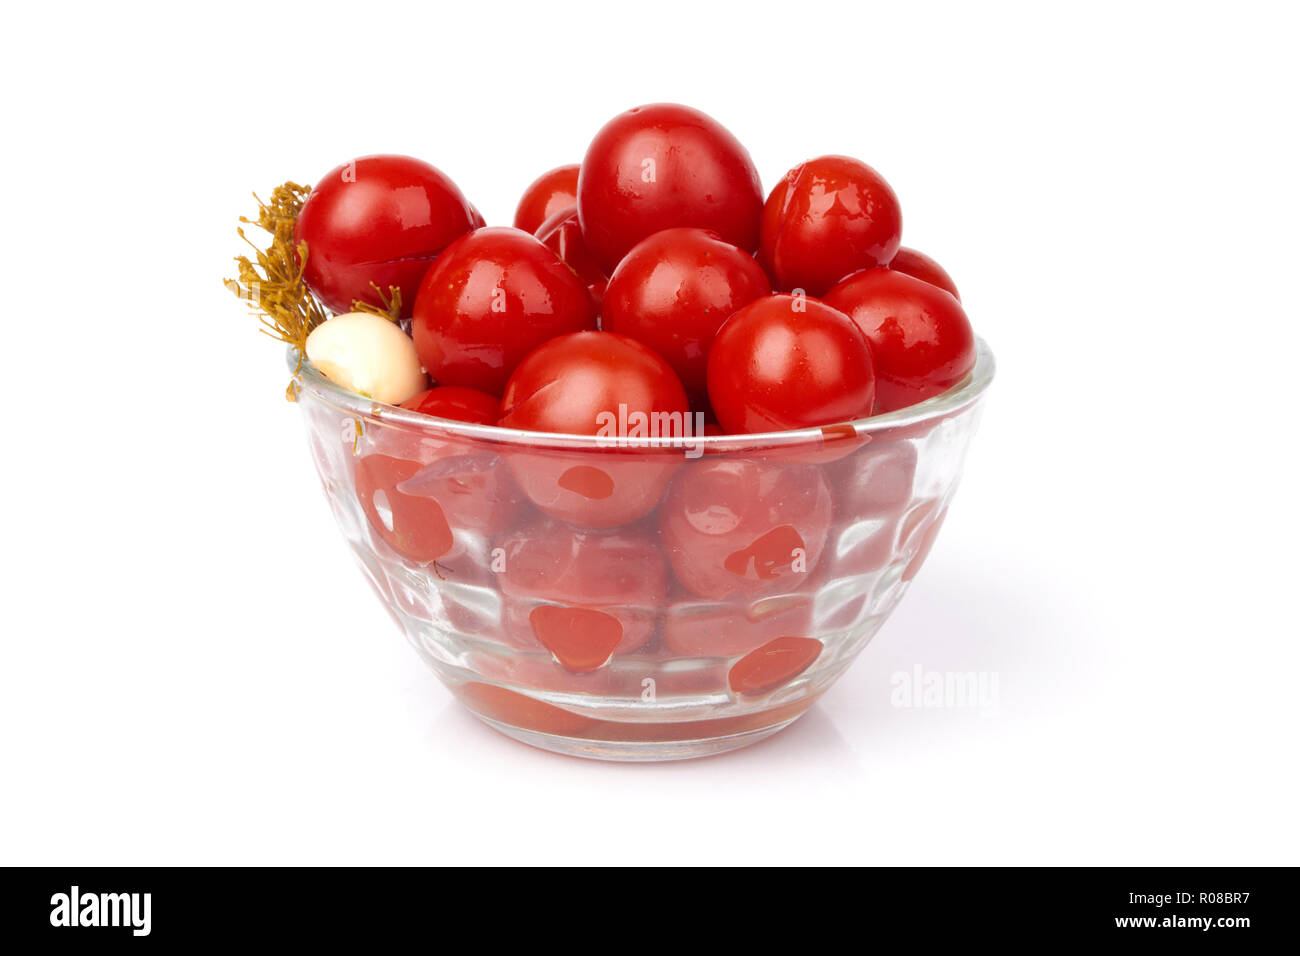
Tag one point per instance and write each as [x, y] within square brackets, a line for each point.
[563, 236]
[457, 403]
[381, 220]
[547, 195]
[596, 492]
[476, 219]
[413, 525]
[491, 298]
[674, 290]
[776, 663]
[596, 383]
[827, 218]
[422, 496]
[921, 266]
[624, 676]
[789, 362]
[554, 219]
[663, 165]
[519, 710]
[471, 486]
[512, 708]
[573, 382]
[422, 493]
[621, 677]
[876, 482]
[735, 527]
[920, 337]
[581, 594]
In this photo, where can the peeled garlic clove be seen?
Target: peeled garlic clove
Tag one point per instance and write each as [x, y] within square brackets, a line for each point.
[368, 355]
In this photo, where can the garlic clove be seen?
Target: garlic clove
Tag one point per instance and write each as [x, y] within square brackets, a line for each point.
[368, 355]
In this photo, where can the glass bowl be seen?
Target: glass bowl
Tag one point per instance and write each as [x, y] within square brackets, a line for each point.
[638, 598]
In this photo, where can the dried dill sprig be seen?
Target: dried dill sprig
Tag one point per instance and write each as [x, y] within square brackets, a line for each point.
[392, 303]
[271, 282]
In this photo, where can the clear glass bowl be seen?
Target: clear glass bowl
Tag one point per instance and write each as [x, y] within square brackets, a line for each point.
[649, 599]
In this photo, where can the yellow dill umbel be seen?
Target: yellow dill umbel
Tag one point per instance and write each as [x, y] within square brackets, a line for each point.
[271, 281]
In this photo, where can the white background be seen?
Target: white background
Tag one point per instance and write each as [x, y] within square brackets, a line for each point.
[192, 670]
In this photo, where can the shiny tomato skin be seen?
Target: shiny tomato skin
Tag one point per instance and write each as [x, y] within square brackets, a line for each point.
[827, 218]
[575, 384]
[920, 266]
[775, 663]
[568, 383]
[379, 219]
[581, 594]
[734, 527]
[605, 491]
[550, 192]
[464, 478]
[457, 403]
[663, 165]
[674, 290]
[413, 525]
[786, 362]
[473, 489]
[553, 220]
[440, 492]
[491, 298]
[920, 337]
[562, 234]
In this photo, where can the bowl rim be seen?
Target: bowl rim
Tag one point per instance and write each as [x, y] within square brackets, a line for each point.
[307, 378]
